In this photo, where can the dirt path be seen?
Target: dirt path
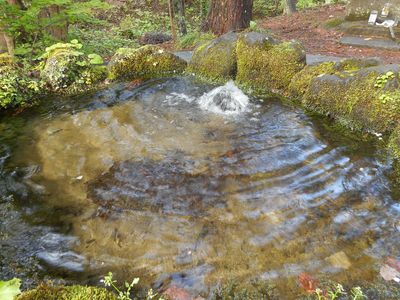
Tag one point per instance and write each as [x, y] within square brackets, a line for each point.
[310, 28]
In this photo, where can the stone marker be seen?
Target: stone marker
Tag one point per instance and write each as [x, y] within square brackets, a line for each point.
[361, 9]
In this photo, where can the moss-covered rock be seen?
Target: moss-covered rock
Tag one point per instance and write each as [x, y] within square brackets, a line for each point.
[394, 148]
[67, 70]
[355, 97]
[301, 81]
[75, 292]
[216, 60]
[144, 62]
[16, 88]
[267, 64]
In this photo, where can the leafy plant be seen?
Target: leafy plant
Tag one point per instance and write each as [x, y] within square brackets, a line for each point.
[383, 79]
[125, 294]
[337, 292]
[10, 289]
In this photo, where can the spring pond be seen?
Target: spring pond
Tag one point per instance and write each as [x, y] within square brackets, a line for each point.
[161, 183]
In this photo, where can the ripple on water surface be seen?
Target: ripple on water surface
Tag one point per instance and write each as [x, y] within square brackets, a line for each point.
[158, 187]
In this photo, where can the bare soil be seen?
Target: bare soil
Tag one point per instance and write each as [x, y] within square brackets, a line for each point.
[310, 27]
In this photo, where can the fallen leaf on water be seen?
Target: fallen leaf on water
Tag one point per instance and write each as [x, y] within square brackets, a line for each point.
[392, 262]
[176, 293]
[388, 273]
[308, 283]
[339, 260]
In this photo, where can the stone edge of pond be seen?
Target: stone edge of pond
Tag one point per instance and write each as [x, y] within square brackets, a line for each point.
[361, 94]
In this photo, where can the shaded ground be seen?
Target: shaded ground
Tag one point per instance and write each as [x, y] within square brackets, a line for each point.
[310, 27]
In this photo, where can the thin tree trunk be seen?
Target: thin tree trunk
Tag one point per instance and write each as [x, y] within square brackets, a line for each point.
[3, 43]
[59, 30]
[229, 15]
[172, 19]
[290, 7]
[180, 5]
[8, 39]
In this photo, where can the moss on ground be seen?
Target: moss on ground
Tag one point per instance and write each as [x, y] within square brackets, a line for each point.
[75, 292]
[145, 62]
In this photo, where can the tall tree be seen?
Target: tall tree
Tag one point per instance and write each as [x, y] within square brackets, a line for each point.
[229, 15]
[290, 7]
[7, 41]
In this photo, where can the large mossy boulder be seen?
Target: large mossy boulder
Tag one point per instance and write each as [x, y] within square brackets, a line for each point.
[301, 81]
[264, 63]
[216, 60]
[145, 62]
[67, 70]
[366, 99]
[75, 292]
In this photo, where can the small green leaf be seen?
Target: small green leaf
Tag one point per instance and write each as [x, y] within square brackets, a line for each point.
[74, 42]
[10, 289]
[95, 59]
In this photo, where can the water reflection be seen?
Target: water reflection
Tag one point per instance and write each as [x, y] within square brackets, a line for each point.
[145, 182]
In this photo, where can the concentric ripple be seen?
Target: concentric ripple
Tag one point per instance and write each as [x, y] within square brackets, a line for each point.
[146, 182]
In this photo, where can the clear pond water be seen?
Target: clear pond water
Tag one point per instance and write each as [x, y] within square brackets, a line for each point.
[161, 183]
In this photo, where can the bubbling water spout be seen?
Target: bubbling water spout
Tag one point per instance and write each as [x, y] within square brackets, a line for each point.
[226, 99]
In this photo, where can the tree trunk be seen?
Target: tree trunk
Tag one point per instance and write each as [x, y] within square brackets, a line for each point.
[229, 15]
[6, 39]
[290, 7]
[180, 8]
[60, 29]
[3, 43]
[172, 19]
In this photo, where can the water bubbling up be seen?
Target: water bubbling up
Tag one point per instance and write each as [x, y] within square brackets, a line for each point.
[226, 99]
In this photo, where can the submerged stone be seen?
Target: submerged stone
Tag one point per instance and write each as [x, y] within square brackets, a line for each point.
[160, 186]
[265, 63]
[145, 62]
[216, 60]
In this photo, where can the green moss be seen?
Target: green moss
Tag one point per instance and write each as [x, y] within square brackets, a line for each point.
[301, 81]
[268, 66]
[5, 59]
[16, 89]
[332, 23]
[394, 148]
[75, 292]
[68, 71]
[215, 60]
[145, 62]
[350, 97]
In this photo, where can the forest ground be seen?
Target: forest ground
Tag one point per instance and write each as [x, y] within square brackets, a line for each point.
[311, 28]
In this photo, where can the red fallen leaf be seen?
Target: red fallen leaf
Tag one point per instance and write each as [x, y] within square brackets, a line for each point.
[134, 83]
[308, 283]
[176, 293]
[392, 262]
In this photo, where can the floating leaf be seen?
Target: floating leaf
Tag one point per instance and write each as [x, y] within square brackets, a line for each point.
[308, 283]
[388, 273]
[10, 289]
[177, 293]
[392, 262]
[339, 260]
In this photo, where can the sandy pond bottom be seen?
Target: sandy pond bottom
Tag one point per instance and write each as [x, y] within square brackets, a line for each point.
[156, 182]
